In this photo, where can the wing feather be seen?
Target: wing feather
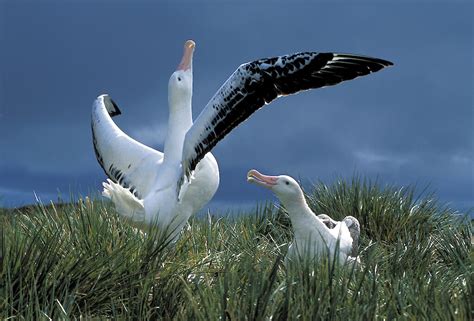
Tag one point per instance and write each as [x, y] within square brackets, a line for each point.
[257, 83]
[125, 161]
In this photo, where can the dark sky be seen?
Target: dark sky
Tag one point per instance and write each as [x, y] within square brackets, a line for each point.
[409, 124]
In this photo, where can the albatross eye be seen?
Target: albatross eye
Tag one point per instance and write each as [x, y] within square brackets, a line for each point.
[179, 78]
[287, 183]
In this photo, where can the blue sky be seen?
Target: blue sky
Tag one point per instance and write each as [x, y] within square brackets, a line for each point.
[409, 124]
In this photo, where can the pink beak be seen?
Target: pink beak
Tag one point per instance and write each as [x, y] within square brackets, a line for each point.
[254, 176]
[187, 61]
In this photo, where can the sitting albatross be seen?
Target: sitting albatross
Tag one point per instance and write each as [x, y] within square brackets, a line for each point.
[312, 238]
[150, 187]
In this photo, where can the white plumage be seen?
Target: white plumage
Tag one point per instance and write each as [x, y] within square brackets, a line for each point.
[143, 182]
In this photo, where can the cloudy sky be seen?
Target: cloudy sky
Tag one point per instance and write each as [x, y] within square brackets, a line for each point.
[409, 124]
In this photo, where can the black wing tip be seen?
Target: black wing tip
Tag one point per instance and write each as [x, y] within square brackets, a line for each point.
[383, 62]
[116, 109]
[111, 106]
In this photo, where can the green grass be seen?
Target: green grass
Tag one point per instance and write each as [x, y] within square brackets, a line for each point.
[80, 261]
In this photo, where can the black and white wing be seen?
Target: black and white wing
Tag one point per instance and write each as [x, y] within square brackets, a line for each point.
[124, 160]
[257, 83]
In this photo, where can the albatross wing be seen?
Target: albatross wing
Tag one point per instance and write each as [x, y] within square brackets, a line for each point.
[125, 161]
[257, 83]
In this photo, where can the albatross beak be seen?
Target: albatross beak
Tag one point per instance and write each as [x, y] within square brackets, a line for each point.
[253, 176]
[187, 61]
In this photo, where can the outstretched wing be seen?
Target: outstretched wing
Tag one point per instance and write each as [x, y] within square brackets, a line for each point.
[124, 160]
[257, 83]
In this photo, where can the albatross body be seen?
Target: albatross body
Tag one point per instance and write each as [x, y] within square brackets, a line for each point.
[151, 187]
[312, 238]
[142, 181]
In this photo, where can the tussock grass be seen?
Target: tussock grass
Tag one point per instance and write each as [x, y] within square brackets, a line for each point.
[79, 260]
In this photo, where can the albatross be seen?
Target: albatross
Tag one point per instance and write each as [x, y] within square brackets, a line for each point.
[149, 187]
[312, 237]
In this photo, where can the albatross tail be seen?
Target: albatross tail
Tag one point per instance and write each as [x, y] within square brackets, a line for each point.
[126, 204]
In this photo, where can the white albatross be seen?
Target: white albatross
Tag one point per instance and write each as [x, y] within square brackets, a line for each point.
[150, 187]
[312, 238]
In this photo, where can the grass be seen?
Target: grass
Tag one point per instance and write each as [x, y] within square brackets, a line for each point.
[80, 261]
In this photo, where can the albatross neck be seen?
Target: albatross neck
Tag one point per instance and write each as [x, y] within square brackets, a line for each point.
[179, 122]
[301, 216]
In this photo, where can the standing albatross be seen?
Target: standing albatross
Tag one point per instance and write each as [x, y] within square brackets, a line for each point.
[150, 187]
[312, 237]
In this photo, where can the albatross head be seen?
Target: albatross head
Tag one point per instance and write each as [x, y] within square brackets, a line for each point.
[180, 85]
[285, 187]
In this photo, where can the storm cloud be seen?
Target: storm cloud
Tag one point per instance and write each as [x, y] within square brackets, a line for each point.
[411, 123]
